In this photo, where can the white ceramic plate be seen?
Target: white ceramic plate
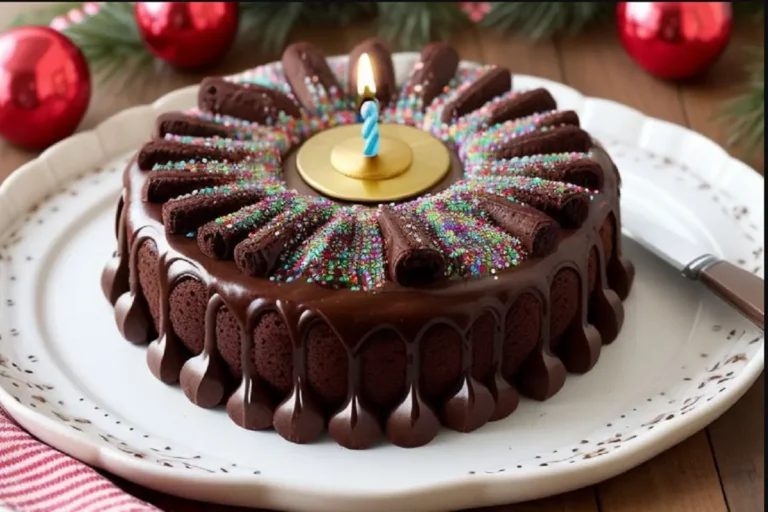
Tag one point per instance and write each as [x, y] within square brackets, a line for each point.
[66, 374]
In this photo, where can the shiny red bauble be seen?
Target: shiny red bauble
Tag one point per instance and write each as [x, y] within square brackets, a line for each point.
[45, 86]
[674, 40]
[187, 34]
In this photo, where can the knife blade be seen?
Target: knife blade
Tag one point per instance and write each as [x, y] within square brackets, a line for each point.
[742, 290]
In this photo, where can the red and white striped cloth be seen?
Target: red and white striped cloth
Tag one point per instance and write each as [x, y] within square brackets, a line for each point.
[36, 478]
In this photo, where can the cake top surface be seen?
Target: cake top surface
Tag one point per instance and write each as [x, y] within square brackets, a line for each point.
[529, 172]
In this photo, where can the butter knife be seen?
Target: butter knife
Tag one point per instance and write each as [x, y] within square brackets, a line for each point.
[742, 290]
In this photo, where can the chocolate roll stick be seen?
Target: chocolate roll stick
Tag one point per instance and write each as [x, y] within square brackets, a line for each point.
[251, 102]
[383, 69]
[412, 257]
[538, 232]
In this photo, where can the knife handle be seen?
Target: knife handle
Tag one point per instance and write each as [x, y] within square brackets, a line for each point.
[739, 288]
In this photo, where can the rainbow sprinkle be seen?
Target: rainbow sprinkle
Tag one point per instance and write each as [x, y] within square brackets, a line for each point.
[340, 246]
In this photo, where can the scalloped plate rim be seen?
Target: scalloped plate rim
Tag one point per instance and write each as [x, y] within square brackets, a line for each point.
[474, 490]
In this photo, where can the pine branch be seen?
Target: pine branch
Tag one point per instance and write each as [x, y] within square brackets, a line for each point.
[745, 114]
[540, 20]
[44, 15]
[110, 41]
[410, 25]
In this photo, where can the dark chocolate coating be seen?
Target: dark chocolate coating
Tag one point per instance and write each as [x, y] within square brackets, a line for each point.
[396, 363]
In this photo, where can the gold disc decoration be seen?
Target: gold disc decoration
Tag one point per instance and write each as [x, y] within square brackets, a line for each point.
[410, 161]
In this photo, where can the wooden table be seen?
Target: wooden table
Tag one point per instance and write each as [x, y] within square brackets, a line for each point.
[717, 470]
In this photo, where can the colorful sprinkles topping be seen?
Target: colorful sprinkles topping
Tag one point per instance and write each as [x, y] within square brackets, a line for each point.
[340, 246]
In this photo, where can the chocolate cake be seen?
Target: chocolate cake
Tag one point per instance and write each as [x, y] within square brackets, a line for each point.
[302, 313]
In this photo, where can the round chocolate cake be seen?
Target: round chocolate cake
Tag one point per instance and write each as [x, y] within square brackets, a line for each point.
[302, 313]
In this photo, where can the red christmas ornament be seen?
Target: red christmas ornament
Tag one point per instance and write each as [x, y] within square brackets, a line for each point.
[187, 34]
[45, 86]
[674, 40]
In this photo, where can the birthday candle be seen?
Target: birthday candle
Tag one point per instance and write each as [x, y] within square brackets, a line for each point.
[370, 113]
[369, 109]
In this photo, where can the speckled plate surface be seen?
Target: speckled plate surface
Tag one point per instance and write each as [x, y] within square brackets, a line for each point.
[681, 360]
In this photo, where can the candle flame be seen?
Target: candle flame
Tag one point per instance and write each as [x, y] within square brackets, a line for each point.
[365, 75]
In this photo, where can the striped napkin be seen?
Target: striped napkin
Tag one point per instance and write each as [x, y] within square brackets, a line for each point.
[36, 478]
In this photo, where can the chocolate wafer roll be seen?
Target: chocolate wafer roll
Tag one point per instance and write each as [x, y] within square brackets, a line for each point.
[412, 258]
[522, 105]
[383, 69]
[436, 67]
[561, 139]
[164, 185]
[306, 70]
[538, 232]
[161, 151]
[494, 82]
[217, 239]
[179, 123]
[258, 254]
[251, 102]
[187, 213]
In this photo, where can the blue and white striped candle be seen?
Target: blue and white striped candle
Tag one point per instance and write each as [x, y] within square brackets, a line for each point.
[369, 108]
[370, 113]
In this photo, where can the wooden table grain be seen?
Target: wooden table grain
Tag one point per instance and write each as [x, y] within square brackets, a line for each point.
[716, 470]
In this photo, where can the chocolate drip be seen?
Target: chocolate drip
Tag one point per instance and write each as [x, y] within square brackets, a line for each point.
[522, 105]
[495, 82]
[412, 257]
[298, 418]
[436, 67]
[570, 208]
[218, 239]
[114, 277]
[473, 405]
[179, 123]
[542, 374]
[250, 406]
[412, 423]
[164, 185]
[202, 377]
[505, 396]
[254, 103]
[160, 151]
[354, 426]
[188, 213]
[167, 354]
[131, 309]
[538, 233]
[305, 69]
[383, 69]
[562, 139]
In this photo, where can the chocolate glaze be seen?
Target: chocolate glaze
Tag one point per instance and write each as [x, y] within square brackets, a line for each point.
[457, 304]
[573, 238]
